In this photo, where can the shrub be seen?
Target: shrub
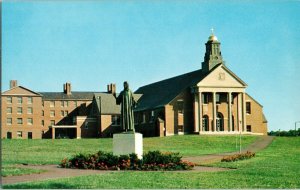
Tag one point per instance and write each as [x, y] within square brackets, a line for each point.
[153, 160]
[237, 157]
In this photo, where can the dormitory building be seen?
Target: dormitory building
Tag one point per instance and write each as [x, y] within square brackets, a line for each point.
[211, 100]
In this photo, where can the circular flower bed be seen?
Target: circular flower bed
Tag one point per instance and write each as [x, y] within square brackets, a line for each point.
[153, 160]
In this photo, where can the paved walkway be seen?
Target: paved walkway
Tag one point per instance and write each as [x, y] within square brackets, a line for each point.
[256, 146]
[53, 172]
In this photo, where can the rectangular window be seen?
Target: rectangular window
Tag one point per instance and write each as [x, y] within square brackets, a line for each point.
[64, 103]
[9, 110]
[144, 117]
[9, 121]
[248, 128]
[66, 113]
[52, 113]
[29, 110]
[115, 120]
[52, 122]
[62, 113]
[19, 100]
[205, 98]
[43, 123]
[218, 98]
[86, 125]
[9, 100]
[248, 107]
[29, 100]
[180, 106]
[43, 113]
[52, 104]
[19, 134]
[180, 128]
[43, 103]
[152, 116]
[29, 121]
[19, 121]
[19, 110]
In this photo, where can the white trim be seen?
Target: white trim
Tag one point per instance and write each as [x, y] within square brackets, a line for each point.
[63, 126]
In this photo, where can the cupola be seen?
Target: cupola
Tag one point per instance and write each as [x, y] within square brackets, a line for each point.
[213, 54]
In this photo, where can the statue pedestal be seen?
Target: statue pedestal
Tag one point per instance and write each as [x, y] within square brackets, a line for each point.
[127, 143]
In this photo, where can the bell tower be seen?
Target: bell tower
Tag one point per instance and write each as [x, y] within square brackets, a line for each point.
[213, 54]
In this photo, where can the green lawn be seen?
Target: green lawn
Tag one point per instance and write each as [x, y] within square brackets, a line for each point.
[48, 151]
[275, 167]
[53, 151]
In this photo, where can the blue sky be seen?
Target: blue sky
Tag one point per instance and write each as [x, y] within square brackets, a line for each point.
[93, 43]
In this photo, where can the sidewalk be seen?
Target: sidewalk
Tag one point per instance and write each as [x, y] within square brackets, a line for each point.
[258, 145]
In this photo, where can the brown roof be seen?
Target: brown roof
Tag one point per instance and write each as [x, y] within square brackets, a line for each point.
[158, 94]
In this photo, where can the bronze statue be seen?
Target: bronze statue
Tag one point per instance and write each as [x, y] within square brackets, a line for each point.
[127, 102]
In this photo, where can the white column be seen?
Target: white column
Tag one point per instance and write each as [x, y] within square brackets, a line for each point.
[229, 112]
[200, 111]
[196, 112]
[214, 112]
[244, 111]
[239, 110]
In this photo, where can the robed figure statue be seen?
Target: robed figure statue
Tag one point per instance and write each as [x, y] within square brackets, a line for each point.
[127, 102]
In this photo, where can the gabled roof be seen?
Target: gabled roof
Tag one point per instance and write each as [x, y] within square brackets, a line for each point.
[106, 103]
[254, 100]
[158, 94]
[62, 96]
[8, 92]
[234, 75]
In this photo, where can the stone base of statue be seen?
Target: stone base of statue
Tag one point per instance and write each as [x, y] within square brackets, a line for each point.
[128, 142]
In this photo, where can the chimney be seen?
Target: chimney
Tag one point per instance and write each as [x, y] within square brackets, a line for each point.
[13, 83]
[111, 88]
[67, 88]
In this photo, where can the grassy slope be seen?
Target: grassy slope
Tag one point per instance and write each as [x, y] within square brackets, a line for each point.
[275, 167]
[53, 151]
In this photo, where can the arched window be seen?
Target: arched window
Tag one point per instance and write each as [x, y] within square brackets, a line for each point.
[205, 123]
[220, 122]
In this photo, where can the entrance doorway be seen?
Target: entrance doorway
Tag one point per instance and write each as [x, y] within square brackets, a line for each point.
[29, 135]
[8, 135]
[205, 123]
[220, 122]
[65, 133]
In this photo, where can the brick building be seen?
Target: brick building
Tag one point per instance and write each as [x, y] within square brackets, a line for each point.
[29, 114]
[211, 100]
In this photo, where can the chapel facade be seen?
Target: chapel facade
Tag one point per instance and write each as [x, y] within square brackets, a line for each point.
[211, 100]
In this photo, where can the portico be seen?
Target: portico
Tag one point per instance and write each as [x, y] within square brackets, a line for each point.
[219, 110]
